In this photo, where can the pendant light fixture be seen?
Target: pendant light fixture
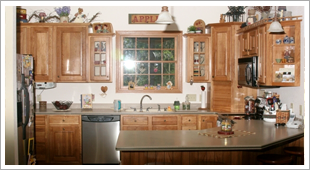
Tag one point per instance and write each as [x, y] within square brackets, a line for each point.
[275, 26]
[164, 17]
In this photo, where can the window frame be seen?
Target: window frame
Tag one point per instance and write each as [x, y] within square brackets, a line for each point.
[177, 86]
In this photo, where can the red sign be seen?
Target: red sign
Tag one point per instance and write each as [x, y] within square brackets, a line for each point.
[142, 18]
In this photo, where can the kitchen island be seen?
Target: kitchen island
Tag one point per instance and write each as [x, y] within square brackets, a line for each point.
[180, 147]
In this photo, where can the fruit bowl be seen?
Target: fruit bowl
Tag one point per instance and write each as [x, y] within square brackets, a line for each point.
[62, 105]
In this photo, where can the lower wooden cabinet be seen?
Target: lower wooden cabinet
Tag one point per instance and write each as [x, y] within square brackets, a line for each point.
[168, 122]
[58, 139]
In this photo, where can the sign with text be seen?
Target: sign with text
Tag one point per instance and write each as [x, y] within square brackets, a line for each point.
[142, 18]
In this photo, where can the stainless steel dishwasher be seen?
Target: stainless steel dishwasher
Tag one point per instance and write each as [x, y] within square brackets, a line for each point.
[100, 133]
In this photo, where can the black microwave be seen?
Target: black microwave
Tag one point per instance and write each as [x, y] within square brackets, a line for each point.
[247, 71]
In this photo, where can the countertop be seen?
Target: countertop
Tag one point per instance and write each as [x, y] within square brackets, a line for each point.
[110, 111]
[266, 134]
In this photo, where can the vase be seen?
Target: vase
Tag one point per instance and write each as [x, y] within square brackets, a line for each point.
[235, 17]
[64, 19]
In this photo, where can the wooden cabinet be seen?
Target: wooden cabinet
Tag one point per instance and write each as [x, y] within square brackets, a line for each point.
[221, 52]
[248, 43]
[100, 48]
[59, 50]
[41, 138]
[165, 122]
[135, 122]
[261, 45]
[71, 53]
[168, 122]
[206, 122]
[198, 60]
[58, 139]
[37, 41]
[189, 122]
[270, 72]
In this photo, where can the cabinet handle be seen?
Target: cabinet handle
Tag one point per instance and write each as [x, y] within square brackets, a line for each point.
[63, 120]
[58, 76]
[189, 120]
[164, 120]
[63, 128]
[203, 120]
[135, 121]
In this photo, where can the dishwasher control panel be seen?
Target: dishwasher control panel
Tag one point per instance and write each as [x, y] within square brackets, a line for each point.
[100, 118]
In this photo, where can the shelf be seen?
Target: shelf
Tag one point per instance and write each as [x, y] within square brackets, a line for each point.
[279, 45]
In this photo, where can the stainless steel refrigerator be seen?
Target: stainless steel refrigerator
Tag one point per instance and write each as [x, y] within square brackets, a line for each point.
[25, 107]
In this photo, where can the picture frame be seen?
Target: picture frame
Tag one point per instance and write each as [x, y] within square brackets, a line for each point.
[87, 101]
[131, 85]
[30, 146]
[102, 28]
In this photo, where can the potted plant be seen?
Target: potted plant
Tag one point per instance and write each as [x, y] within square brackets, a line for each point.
[198, 30]
[191, 29]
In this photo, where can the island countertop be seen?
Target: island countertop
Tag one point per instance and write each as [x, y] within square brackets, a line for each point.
[263, 135]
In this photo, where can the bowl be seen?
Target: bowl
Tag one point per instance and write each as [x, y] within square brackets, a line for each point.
[278, 60]
[62, 104]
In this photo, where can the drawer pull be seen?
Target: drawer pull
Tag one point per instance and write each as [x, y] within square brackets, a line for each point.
[203, 120]
[164, 120]
[189, 120]
[63, 120]
[63, 128]
[135, 121]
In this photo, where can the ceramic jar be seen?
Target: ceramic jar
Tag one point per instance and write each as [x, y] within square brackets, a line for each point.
[64, 19]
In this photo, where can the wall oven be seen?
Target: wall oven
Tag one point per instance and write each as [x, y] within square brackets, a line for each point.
[247, 71]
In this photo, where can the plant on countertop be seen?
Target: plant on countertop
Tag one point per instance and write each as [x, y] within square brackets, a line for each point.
[191, 28]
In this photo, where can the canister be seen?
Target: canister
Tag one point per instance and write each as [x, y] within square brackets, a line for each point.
[176, 105]
[117, 105]
[42, 105]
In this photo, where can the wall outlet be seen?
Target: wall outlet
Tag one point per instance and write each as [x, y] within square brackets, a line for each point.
[191, 97]
[300, 110]
[292, 106]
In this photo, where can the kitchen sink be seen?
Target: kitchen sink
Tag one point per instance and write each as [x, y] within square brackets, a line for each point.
[149, 111]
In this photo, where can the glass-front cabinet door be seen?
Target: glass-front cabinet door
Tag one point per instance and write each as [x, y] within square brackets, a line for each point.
[198, 58]
[100, 58]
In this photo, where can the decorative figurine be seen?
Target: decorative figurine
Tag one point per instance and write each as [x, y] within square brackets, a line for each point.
[79, 17]
[169, 85]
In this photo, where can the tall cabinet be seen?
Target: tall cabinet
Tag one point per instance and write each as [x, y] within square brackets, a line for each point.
[226, 95]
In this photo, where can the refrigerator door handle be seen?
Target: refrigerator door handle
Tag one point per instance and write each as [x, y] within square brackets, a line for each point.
[27, 103]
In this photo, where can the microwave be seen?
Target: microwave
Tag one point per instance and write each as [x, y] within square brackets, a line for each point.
[247, 71]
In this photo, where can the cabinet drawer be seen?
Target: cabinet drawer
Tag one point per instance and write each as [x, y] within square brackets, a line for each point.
[164, 120]
[135, 120]
[188, 119]
[40, 120]
[135, 128]
[191, 127]
[64, 119]
[161, 127]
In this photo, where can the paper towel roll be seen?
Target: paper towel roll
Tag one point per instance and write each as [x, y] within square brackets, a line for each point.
[203, 99]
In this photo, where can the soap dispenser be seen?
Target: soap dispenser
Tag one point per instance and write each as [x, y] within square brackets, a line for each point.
[176, 105]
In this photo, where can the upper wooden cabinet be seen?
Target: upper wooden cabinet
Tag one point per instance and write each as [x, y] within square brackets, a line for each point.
[38, 41]
[71, 52]
[223, 43]
[270, 72]
[100, 49]
[198, 59]
[248, 43]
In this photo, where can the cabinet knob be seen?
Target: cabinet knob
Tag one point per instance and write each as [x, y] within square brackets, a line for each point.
[203, 120]
[164, 120]
[63, 128]
[212, 76]
[58, 76]
[135, 121]
[189, 120]
[63, 120]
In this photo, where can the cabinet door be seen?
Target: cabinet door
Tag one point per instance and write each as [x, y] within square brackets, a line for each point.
[71, 53]
[100, 59]
[261, 39]
[40, 139]
[198, 58]
[221, 52]
[252, 47]
[22, 40]
[244, 44]
[189, 122]
[65, 143]
[207, 121]
[41, 48]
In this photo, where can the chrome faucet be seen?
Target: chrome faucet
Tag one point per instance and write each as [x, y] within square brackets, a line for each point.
[141, 109]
